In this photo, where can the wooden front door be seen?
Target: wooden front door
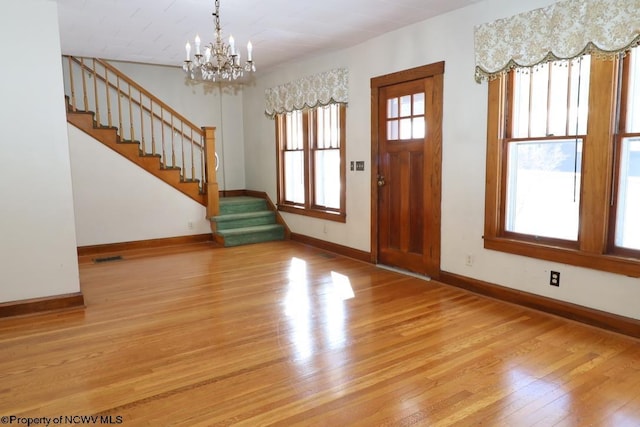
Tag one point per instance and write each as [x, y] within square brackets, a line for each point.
[407, 183]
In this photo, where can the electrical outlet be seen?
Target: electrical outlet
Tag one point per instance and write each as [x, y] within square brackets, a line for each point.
[554, 278]
[468, 260]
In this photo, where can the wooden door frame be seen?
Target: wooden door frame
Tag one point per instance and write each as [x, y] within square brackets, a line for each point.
[434, 150]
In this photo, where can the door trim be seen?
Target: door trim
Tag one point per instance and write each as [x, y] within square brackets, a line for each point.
[435, 70]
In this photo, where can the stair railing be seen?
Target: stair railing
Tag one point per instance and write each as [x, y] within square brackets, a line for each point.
[117, 101]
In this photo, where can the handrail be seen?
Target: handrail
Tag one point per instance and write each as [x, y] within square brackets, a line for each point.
[153, 98]
[162, 131]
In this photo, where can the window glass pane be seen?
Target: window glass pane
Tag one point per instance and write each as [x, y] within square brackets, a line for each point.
[392, 130]
[418, 104]
[405, 128]
[328, 126]
[293, 130]
[294, 176]
[321, 132]
[633, 107]
[335, 126]
[539, 96]
[392, 107]
[543, 188]
[520, 109]
[551, 100]
[558, 95]
[405, 106]
[418, 127]
[628, 215]
[327, 178]
[579, 103]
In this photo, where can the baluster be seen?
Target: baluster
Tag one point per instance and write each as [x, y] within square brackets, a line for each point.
[95, 93]
[203, 175]
[84, 86]
[173, 146]
[184, 166]
[153, 133]
[193, 166]
[120, 129]
[133, 134]
[144, 149]
[164, 152]
[73, 89]
[106, 80]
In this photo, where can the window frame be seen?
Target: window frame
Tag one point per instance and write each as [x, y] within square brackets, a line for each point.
[594, 247]
[310, 207]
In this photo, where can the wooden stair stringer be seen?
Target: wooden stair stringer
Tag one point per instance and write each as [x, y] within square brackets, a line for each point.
[84, 120]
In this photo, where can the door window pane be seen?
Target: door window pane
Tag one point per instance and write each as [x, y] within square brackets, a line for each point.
[392, 130]
[418, 127]
[543, 188]
[392, 107]
[405, 129]
[405, 106]
[418, 104]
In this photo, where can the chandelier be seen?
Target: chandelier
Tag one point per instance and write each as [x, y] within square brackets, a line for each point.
[220, 61]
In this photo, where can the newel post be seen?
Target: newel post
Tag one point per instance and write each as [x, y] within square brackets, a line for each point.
[213, 201]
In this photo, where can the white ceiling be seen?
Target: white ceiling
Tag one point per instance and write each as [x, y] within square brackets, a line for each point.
[155, 31]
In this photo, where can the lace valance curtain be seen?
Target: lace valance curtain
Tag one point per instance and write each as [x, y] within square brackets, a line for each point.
[564, 30]
[308, 92]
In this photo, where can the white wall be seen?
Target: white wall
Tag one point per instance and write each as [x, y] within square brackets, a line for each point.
[205, 104]
[37, 236]
[117, 201]
[449, 38]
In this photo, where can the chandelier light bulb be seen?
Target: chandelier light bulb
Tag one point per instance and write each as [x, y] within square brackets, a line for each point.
[232, 45]
[197, 44]
[249, 50]
[188, 49]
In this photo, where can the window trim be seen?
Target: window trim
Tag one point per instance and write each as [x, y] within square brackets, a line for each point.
[310, 208]
[593, 249]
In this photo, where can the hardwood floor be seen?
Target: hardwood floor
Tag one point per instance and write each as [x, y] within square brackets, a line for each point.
[285, 334]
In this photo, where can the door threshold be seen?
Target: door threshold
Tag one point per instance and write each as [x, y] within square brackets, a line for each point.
[405, 272]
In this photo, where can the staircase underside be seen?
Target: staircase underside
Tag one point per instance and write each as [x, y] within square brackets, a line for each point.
[84, 120]
[245, 220]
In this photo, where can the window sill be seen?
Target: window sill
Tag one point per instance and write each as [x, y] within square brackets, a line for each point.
[315, 213]
[604, 262]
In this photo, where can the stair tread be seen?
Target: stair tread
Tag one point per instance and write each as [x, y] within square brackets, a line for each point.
[243, 215]
[253, 229]
[239, 199]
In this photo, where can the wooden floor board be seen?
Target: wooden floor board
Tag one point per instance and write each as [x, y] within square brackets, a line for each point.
[285, 334]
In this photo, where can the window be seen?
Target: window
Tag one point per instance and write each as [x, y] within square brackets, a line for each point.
[405, 117]
[627, 201]
[311, 162]
[544, 149]
[563, 163]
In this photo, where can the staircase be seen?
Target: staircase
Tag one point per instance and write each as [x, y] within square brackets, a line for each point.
[244, 220]
[115, 110]
[152, 163]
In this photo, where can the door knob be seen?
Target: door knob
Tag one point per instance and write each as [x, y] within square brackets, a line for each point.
[380, 180]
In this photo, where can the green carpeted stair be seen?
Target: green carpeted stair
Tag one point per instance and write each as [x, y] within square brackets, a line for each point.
[244, 220]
